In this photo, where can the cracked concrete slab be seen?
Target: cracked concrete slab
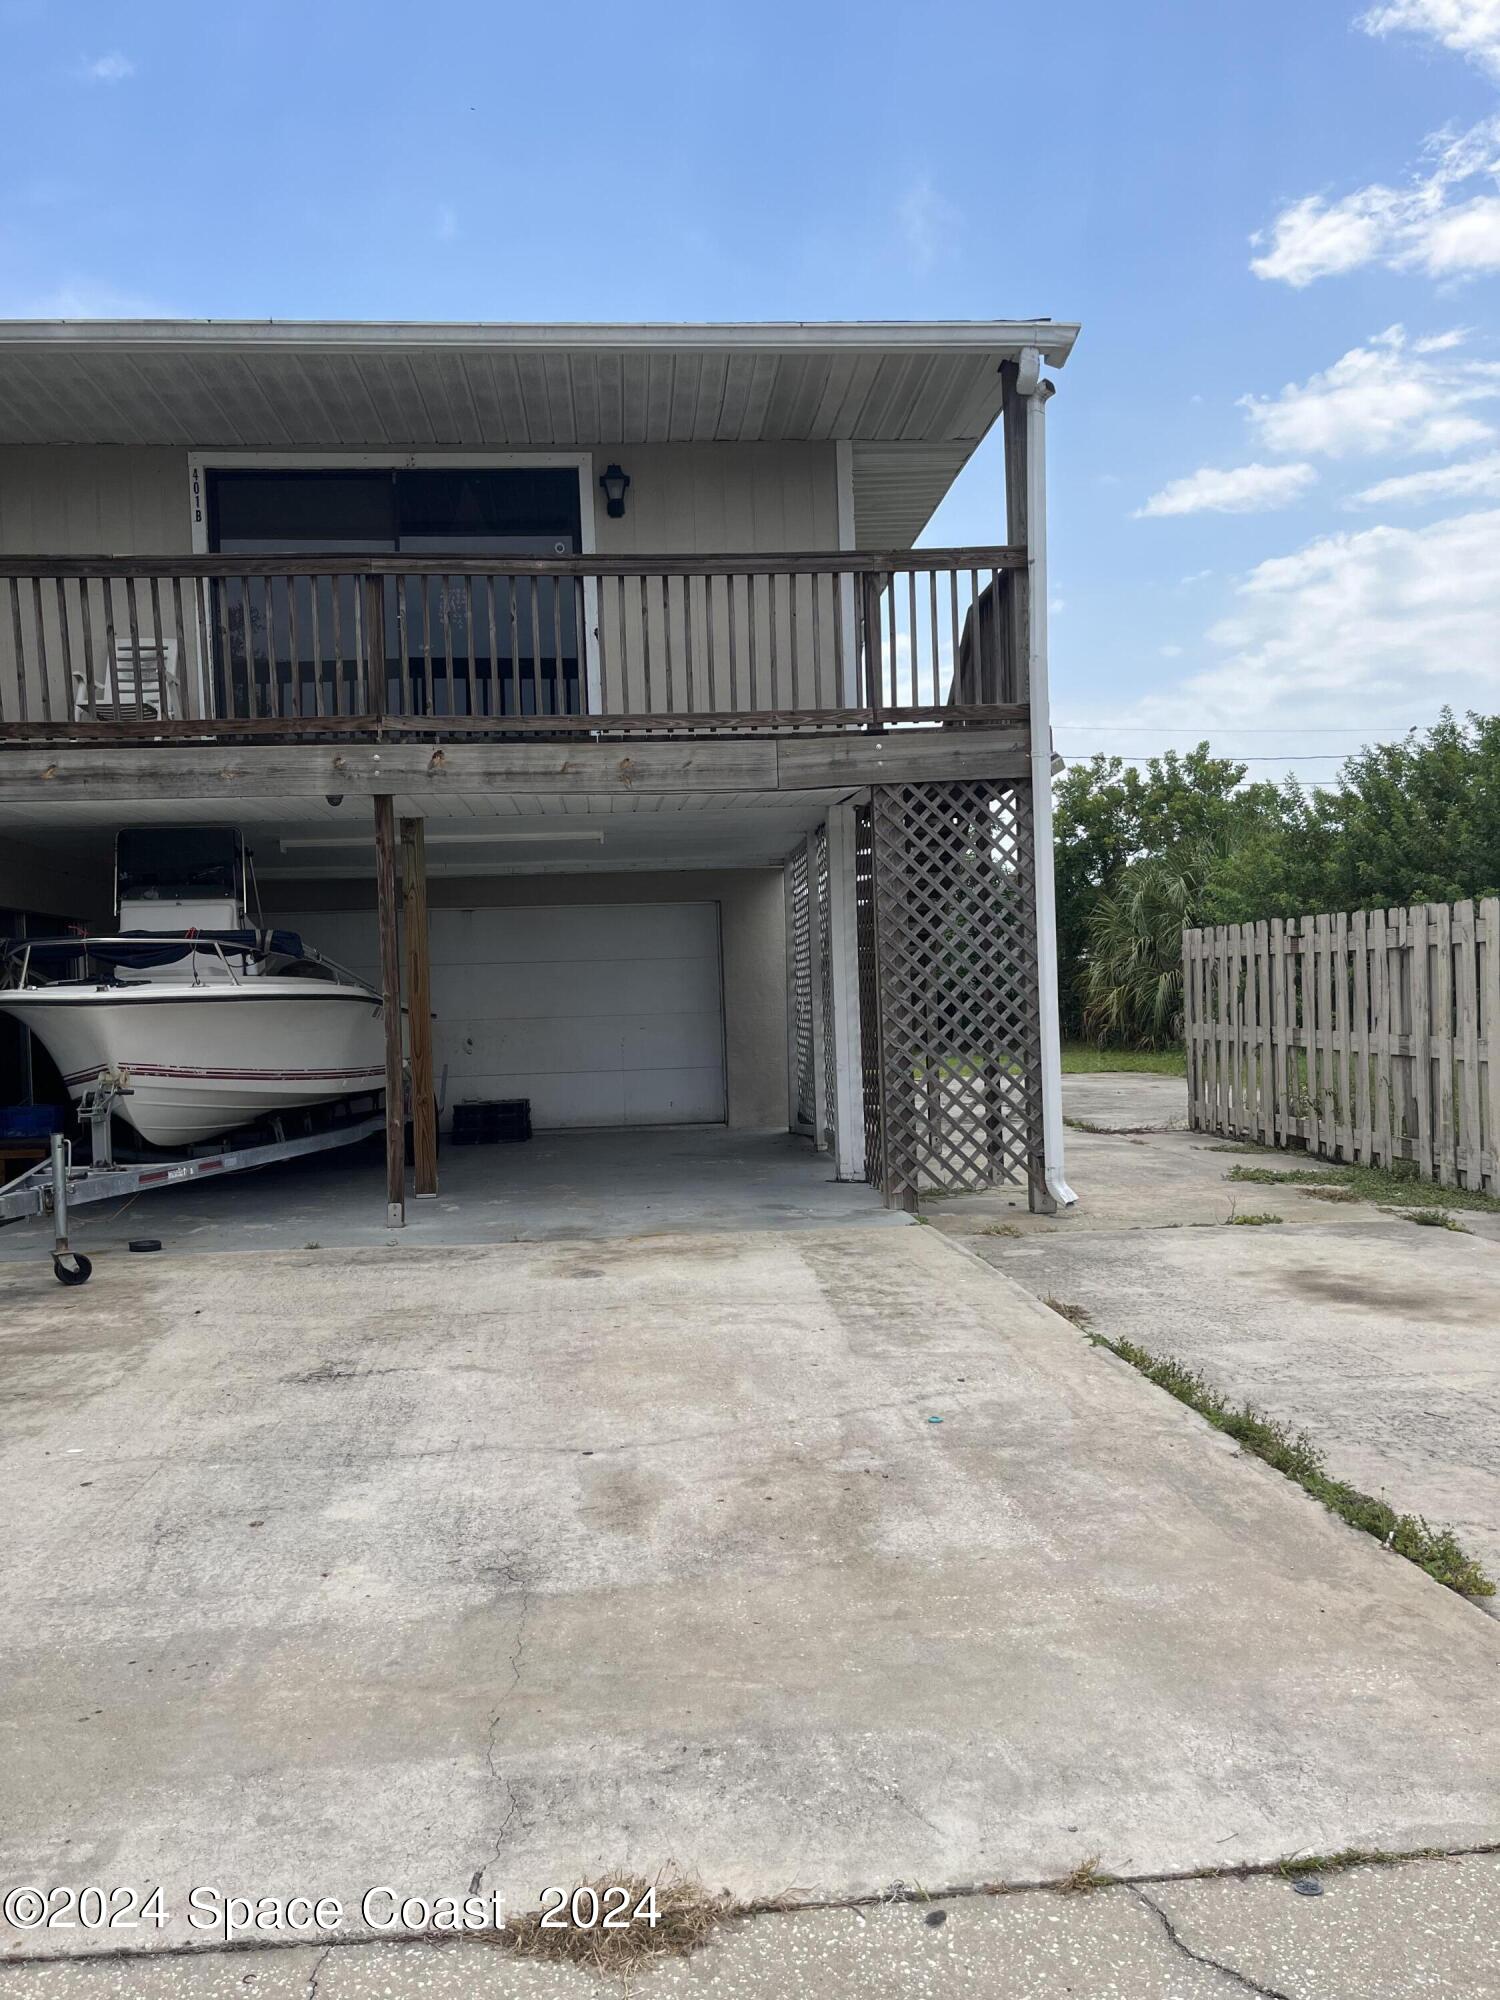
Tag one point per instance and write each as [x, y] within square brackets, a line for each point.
[840, 1560]
[1377, 1337]
[1380, 1340]
[1421, 1930]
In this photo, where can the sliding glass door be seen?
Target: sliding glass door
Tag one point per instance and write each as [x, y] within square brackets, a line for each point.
[453, 644]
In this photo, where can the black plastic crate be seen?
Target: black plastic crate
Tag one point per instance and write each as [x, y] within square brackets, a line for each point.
[497, 1121]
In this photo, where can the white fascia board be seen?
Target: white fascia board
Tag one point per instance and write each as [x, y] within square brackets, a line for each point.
[1054, 339]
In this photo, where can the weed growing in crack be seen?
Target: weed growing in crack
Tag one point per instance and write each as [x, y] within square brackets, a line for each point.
[1113, 1131]
[1079, 1315]
[1435, 1550]
[1388, 1185]
[1085, 1877]
[1347, 1857]
[686, 1916]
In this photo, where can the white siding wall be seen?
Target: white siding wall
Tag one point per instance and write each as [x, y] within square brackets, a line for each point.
[683, 500]
[87, 500]
[712, 499]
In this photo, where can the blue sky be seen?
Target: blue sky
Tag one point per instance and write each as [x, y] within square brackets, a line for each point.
[1275, 463]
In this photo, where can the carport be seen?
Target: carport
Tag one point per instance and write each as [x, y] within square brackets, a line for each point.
[619, 960]
[808, 936]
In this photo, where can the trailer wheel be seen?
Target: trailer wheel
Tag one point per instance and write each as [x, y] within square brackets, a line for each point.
[74, 1269]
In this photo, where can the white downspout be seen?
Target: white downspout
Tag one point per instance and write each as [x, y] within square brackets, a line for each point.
[1036, 392]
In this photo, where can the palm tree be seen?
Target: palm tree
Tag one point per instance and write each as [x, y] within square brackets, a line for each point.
[1132, 979]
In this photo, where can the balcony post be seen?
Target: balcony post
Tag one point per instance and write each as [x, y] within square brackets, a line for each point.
[374, 648]
[874, 656]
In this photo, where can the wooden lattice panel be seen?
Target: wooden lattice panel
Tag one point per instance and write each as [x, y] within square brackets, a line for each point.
[869, 997]
[823, 908]
[800, 920]
[955, 946]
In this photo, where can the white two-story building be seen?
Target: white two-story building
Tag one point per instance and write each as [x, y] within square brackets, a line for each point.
[727, 802]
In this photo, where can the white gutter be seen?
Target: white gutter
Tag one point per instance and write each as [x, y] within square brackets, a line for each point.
[1036, 392]
[1053, 339]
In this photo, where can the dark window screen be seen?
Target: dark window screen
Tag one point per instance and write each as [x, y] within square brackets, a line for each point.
[466, 505]
[383, 513]
[185, 861]
[329, 511]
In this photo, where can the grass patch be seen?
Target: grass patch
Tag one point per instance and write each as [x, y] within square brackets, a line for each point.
[1001, 1229]
[1437, 1218]
[1083, 1059]
[1254, 1219]
[1435, 1550]
[1080, 1316]
[686, 1916]
[1387, 1186]
[1329, 1194]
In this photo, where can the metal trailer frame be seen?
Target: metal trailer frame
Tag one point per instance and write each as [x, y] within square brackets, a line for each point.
[55, 1186]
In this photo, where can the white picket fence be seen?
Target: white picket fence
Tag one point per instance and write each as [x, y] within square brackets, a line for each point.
[1368, 1037]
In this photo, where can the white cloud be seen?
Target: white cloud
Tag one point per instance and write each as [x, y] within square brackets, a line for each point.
[1240, 489]
[1469, 27]
[1474, 479]
[111, 68]
[1445, 222]
[82, 298]
[1388, 396]
[926, 224]
[446, 226]
[1388, 623]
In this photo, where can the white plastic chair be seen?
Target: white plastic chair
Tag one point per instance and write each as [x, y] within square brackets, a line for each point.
[143, 685]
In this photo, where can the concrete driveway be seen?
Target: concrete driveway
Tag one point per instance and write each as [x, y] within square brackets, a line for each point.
[1379, 1338]
[814, 1562]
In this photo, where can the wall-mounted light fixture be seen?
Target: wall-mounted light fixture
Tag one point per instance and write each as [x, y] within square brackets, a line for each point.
[614, 482]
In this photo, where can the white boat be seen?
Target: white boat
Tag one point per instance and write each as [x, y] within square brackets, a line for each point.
[201, 1027]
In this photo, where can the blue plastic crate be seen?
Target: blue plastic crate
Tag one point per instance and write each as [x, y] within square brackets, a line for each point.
[30, 1121]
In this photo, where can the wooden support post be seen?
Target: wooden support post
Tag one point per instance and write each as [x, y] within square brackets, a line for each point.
[419, 1002]
[390, 992]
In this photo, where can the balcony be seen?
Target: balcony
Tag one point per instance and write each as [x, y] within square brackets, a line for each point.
[303, 649]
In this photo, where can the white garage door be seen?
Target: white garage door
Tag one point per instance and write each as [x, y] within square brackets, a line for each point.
[601, 1014]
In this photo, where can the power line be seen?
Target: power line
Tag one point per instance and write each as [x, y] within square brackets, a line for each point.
[1228, 729]
[1286, 757]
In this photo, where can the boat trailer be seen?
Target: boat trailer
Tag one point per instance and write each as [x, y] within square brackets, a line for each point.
[56, 1186]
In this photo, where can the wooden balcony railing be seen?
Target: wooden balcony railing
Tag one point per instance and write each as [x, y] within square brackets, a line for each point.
[297, 647]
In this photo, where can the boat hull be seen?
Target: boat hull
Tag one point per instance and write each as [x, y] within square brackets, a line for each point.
[201, 1060]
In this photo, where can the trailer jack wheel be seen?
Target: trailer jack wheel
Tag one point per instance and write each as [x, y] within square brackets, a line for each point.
[72, 1269]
